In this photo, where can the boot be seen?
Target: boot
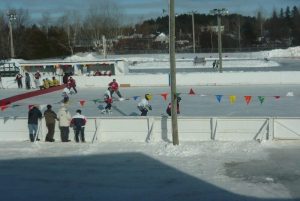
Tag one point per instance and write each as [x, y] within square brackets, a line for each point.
[31, 137]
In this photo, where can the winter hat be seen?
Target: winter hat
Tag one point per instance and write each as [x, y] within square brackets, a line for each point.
[49, 107]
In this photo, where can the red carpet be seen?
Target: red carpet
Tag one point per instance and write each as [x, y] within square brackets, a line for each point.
[30, 94]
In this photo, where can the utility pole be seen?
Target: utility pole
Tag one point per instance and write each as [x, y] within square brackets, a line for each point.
[219, 13]
[11, 16]
[193, 24]
[173, 73]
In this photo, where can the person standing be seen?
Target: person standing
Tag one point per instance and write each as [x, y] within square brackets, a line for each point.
[64, 118]
[78, 123]
[19, 80]
[34, 115]
[108, 100]
[169, 108]
[115, 88]
[27, 81]
[50, 117]
[37, 77]
[72, 84]
[144, 105]
[1, 85]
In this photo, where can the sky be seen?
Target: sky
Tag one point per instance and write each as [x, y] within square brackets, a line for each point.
[138, 10]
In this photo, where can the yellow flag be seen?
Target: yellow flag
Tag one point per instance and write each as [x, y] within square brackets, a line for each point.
[232, 99]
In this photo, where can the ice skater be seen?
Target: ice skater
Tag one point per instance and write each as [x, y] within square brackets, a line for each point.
[115, 88]
[108, 100]
[144, 105]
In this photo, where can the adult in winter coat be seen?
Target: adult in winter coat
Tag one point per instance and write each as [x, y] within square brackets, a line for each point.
[169, 108]
[115, 88]
[34, 115]
[50, 118]
[64, 118]
[144, 105]
[27, 81]
[19, 80]
[108, 100]
[37, 77]
[78, 123]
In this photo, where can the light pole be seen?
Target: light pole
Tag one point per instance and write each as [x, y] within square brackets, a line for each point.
[219, 12]
[12, 16]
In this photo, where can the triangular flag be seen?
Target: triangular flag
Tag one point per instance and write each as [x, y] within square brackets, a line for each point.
[82, 102]
[248, 99]
[4, 107]
[261, 99]
[164, 95]
[219, 98]
[276, 97]
[135, 97]
[232, 99]
[15, 105]
[191, 92]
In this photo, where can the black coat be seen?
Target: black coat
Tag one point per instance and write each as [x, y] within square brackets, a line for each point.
[34, 115]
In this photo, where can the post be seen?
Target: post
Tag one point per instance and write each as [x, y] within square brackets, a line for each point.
[193, 24]
[173, 73]
[219, 43]
[12, 16]
[104, 47]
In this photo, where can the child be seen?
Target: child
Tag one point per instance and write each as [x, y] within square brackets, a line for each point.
[170, 107]
[108, 100]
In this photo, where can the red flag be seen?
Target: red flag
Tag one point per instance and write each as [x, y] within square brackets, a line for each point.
[276, 97]
[248, 99]
[82, 102]
[164, 95]
[192, 92]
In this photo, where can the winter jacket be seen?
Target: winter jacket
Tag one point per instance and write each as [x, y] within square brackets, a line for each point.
[114, 86]
[64, 117]
[169, 108]
[78, 121]
[107, 97]
[34, 115]
[50, 116]
[144, 104]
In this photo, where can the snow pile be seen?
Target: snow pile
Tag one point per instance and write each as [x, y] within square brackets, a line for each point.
[290, 52]
[83, 57]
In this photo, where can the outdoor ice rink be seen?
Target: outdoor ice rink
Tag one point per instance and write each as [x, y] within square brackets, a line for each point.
[279, 101]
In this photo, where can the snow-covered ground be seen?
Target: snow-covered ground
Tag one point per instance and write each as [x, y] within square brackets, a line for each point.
[207, 171]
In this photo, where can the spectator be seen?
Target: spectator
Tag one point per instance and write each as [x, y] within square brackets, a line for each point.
[65, 78]
[97, 73]
[34, 115]
[64, 118]
[27, 81]
[78, 123]
[169, 108]
[19, 80]
[50, 117]
[55, 82]
[1, 85]
[37, 77]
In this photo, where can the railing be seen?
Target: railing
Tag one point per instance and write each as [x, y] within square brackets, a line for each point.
[156, 129]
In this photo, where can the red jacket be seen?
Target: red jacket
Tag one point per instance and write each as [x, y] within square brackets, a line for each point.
[71, 83]
[114, 86]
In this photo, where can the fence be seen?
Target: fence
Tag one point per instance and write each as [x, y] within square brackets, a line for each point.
[156, 129]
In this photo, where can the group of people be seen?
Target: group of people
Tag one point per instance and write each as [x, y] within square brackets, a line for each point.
[46, 83]
[77, 122]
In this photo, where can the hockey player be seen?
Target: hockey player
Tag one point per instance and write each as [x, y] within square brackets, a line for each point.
[108, 100]
[144, 105]
[170, 107]
[115, 88]
[72, 84]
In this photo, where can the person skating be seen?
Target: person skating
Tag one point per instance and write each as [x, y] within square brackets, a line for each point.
[115, 88]
[34, 115]
[108, 100]
[78, 123]
[50, 118]
[144, 105]
[19, 80]
[72, 84]
[64, 118]
[169, 108]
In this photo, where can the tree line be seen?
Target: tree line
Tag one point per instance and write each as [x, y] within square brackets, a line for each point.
[73, 33]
